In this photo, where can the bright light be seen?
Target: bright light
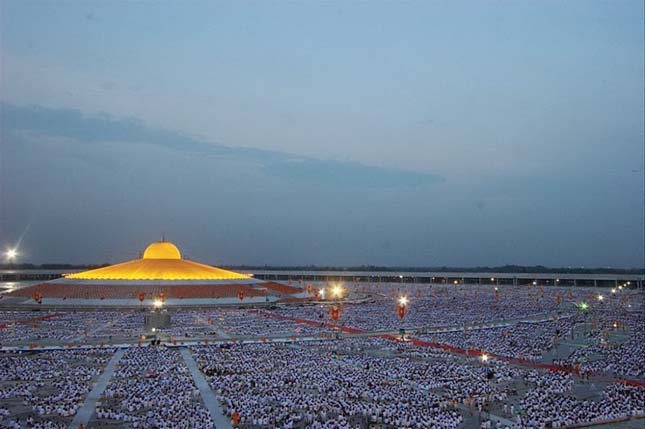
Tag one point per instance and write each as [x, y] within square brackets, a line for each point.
[613, 291]
[456, 281]
[322, 293]
[557, 280]
[629, 283]
[403, 300]
[484, 357]
[337, 291]
[157, 303]
[492, 279]
[584, 305]
[615, 325]
[154, 329]
[11, 254]
[534, 283]
[600, 297]
[496, 289]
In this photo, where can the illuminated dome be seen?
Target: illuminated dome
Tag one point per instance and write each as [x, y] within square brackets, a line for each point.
[161, 261]
[160, 274]
[162, 250]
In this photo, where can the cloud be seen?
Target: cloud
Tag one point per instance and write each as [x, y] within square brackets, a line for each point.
[102, 128]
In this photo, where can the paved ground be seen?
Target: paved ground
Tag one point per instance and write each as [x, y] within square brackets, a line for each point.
[84, 414]
[210, 401]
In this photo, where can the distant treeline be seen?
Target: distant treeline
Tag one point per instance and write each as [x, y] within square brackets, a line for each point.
[446, 269]
[24, 266]
[375, 268]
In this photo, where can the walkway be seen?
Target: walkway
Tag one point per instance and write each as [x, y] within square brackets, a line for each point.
[31, 320]
[484, 415]
[220, 332]
[210, 401]
[84, 414]
[94, 331]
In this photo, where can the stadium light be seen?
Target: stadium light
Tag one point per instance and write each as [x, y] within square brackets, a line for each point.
[337, 291]
[600, 297]
[613, 290]
[11, 254]
[403, 300]
[157, 303]
[484, 357]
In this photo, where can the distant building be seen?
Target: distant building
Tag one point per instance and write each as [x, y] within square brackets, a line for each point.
[160, 277]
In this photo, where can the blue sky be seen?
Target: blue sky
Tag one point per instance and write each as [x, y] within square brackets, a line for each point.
[394, 133]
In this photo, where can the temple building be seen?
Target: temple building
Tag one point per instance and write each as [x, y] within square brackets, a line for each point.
[161, 277]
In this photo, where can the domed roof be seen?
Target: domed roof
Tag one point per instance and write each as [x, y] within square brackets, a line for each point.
[161, 250]
[161, 261]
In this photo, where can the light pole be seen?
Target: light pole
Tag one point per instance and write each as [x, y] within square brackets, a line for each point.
[401, 310]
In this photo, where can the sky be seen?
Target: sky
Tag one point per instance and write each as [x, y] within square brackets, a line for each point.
[425, 133]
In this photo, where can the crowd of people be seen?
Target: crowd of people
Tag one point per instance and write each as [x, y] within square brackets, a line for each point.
[64, 327]
[45, 390]
[322, 384]
[362, 382]
[436, 306]
[622, 356]
[224, 323]
[550, 403]
[521, 340]
[152, 388]
[335, 380]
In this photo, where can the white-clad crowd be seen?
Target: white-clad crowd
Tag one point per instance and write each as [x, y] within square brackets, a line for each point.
[352, 382]
[152, 388]
[45, 389]
[521, 340]
[549, 403]
[339, 383]
[434, 306]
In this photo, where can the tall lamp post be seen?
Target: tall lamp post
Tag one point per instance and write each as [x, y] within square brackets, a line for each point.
[336, 308]
[402, 307]
[401, 311]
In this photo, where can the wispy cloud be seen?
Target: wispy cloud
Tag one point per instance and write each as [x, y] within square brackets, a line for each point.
[103, 128]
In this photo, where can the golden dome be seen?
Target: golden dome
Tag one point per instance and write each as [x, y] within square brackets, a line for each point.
[162, 250]
[158, 269]
[161, 261]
